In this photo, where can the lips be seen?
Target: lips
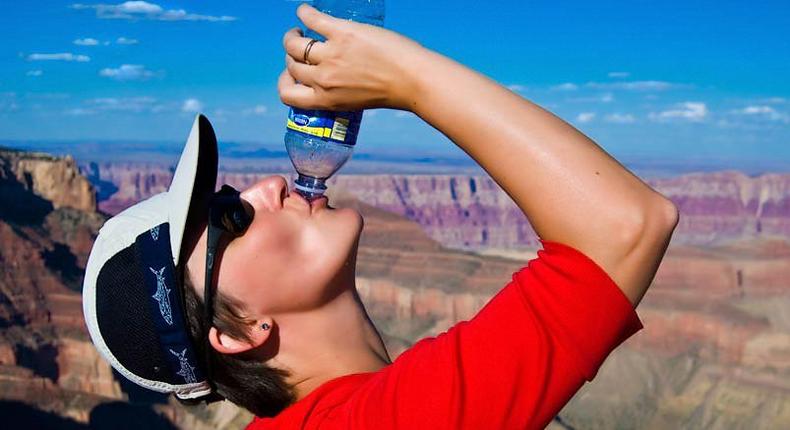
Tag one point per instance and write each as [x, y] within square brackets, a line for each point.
[319, 204]
[316, 205]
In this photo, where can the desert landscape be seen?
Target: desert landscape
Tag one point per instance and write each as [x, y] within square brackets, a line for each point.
[714, 353]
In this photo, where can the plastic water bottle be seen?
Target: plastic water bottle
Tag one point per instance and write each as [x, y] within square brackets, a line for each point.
[320, 142]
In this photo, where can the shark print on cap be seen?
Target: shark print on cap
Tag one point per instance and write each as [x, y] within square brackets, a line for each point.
[187, 372]
[155, 233]
[162, 295]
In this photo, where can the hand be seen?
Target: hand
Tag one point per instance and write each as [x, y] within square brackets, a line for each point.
[359, 66]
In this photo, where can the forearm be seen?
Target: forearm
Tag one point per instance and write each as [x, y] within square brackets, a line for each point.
[565, 184]
[569, 188]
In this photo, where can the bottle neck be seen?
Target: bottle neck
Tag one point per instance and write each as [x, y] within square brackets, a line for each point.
[310, 187]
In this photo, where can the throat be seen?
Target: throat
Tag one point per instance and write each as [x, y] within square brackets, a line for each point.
[336, 340]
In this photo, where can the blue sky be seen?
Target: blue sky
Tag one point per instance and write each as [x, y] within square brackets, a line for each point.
[673, 79]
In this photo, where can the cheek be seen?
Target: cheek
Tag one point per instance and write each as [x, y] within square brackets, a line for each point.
[257, 260]
[287, 266]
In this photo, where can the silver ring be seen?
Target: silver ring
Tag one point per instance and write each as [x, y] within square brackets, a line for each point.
[307, 51]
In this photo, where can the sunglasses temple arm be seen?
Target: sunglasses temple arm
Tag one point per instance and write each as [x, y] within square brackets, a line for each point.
[214, 235]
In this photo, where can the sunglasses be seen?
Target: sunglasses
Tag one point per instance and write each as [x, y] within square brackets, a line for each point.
[228, 216]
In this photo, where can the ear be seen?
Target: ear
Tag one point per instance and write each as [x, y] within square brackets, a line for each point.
[227, 344]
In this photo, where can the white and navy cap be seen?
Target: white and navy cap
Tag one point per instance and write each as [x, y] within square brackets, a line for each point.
[132, 298]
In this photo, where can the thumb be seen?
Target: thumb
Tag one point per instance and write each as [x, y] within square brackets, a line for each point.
[322, 23]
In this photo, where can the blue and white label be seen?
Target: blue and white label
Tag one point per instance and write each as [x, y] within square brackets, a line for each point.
[341, 127]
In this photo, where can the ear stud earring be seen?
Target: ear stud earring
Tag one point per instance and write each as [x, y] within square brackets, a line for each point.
[265, 326]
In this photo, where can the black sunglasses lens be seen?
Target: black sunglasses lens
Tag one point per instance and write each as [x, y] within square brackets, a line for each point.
[239, 218]
[230, 212]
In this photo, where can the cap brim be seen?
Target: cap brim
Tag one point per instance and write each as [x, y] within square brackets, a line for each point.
[195, 176]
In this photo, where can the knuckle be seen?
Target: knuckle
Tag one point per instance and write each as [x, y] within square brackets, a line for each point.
[290, 44]
[321, 78]
[327, 78]
[345, 34]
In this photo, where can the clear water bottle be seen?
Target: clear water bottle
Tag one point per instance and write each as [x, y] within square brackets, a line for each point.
[320, 142]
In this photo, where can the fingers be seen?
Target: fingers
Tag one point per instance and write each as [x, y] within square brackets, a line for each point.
[296, 46]
[301, 72]
[295, 94]
[318, 21]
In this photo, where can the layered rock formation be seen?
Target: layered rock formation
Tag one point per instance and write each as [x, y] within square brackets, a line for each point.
[472, 212]
[714, 354]
[50, 373]
[54, 179]
[47, 224]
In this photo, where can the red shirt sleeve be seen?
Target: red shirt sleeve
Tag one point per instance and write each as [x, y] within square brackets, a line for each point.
[513, 366]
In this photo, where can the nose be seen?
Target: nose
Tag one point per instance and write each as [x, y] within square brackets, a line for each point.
[267, 194]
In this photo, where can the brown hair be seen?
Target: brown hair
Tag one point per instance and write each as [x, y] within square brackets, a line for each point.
[248, 383]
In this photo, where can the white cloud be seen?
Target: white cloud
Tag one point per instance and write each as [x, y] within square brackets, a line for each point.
[88, 41]
[688, 111]
[601, 98]
[517, 88]
[127, 72]
[146, 10]
[34, 73]
[762, 111]
[619, 118]
[585, 117]
[139, 7]
[115, 104]
[63, 56]
[133, 104]
[775, 100]
[567, 86]
[80, 112]
[635, 85]
[126, 41]
[192, 106]
[619, 74]
[256, 110]
[754, 110]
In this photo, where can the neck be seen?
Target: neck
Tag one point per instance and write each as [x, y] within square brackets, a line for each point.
[325, 343]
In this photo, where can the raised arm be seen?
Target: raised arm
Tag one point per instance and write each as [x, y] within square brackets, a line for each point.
[569, 188]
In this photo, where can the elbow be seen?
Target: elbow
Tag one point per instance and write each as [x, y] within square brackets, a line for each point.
[658, 220]
[667, 214]
[653, 219]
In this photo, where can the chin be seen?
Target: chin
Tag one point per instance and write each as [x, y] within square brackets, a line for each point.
[345, 230]
[347, 221]
[336, 268]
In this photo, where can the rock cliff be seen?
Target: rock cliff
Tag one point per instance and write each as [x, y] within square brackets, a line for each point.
[714, 354]
[57, 180]
[50, 373]
[472, 212]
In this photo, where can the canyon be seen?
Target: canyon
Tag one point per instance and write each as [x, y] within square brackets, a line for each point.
[714, 353]
[472, 212]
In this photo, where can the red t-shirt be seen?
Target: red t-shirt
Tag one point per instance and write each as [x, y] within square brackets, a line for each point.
[513, 366]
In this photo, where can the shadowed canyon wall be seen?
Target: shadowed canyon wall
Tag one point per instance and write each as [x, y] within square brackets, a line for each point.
[714, 354]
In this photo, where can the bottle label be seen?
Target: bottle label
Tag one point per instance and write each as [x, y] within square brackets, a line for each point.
[341, 127]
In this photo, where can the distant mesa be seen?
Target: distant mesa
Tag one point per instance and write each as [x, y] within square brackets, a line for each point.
[714, 349]
[470, 211]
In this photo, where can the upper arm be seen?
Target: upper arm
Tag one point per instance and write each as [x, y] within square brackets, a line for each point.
[634, 254]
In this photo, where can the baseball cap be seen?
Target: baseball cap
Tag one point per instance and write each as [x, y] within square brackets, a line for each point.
[132, 292]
